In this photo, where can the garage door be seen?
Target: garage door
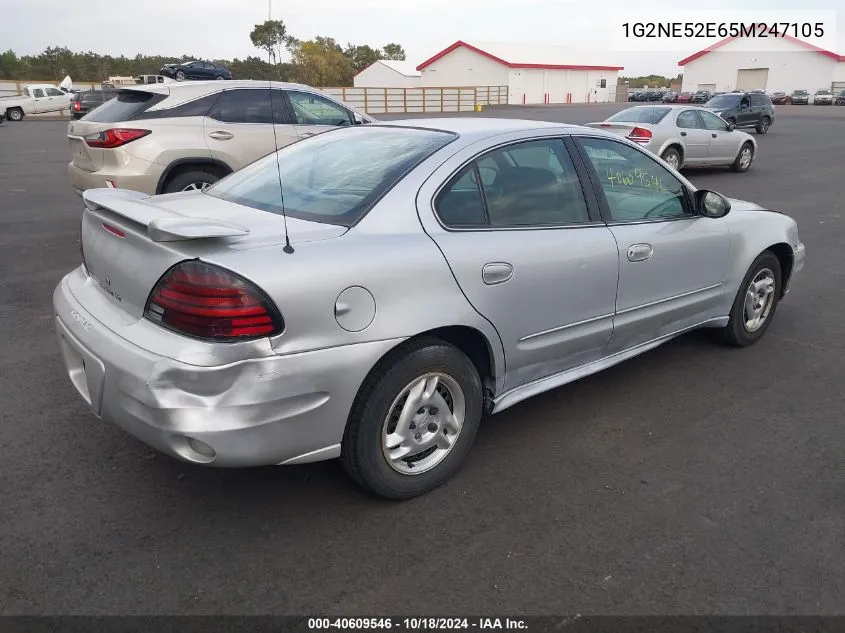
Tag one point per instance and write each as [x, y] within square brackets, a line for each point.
[752, 78]
[838, 86]
[707, 87]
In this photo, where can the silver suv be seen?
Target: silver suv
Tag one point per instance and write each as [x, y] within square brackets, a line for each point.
[165, 138]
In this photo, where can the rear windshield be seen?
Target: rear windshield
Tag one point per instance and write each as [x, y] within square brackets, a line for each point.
[640, 115]
[335, 177]
[127, 105]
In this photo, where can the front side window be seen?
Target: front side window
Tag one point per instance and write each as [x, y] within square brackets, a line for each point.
[311, 109]
[527, 184]
[333, 178]
[38, 93]
[635, 186]
[54, 92]
[713, 122]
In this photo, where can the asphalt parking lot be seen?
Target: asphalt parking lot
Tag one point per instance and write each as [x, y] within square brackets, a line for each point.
[694, 479]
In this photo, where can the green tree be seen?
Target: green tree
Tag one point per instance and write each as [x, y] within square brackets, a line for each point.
[272, 37]
[361, 56]
[393, 51]
[321, 63]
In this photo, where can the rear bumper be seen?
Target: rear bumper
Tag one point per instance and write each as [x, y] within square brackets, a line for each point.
[135, 175]
[259, 411]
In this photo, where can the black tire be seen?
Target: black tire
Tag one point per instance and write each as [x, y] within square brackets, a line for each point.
[182, 180]
[736, 333]
[219, 78]
[669, 154]
[737, 165]
[180, 75]
[14, 114]
[763, 125]
[361, 452]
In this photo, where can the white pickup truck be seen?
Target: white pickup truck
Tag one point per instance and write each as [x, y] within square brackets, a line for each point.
[36, 99]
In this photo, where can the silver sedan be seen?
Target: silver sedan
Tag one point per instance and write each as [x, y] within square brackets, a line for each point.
[684, 136]
[370, 293]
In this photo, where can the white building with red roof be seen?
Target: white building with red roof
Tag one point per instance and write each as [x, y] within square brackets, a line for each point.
[533, 74]
[785, 65]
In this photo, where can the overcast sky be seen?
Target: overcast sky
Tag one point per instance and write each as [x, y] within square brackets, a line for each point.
[220, 28]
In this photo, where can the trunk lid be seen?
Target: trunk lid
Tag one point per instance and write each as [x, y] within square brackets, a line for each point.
[620, 128]
[130, 240]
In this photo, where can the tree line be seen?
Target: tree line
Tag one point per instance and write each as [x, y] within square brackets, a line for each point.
[652, 81]
[318, 62]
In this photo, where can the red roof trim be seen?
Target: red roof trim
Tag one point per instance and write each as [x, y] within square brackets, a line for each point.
[499, 60]
[795, 40]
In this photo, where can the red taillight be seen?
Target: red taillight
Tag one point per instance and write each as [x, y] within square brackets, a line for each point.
[114, 230]
[77, 106]
[640, 135]
[115, 137]
[208, 302]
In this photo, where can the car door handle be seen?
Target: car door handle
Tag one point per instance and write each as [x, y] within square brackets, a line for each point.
[715, 135]
[221, 136]
[639, 252]
[683, 133]
[496, 273]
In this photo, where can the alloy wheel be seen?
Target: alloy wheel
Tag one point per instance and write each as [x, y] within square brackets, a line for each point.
[759, 299]
[423, 423]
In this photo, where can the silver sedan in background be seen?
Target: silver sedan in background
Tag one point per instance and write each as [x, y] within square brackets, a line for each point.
[684, 136]
[370, 292]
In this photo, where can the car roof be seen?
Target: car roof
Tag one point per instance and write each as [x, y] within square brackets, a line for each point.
[222, 85]
[477, 127]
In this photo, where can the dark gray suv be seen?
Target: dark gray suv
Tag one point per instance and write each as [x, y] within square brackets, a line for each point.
[744, 110]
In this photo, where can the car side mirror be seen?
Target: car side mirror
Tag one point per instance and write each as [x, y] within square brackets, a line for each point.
[359, 120]
[731, 126]
[710, 204]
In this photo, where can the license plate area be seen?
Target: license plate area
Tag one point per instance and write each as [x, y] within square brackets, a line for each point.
[78, 148]
[86, 372]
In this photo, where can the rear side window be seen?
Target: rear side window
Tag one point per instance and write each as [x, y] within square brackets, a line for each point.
[250, 106]
[128, 105]
[641, 115]
[531, 183]
[689, 120]
[197, 107]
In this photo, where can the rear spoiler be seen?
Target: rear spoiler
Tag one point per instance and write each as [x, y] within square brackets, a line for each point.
[161, 225]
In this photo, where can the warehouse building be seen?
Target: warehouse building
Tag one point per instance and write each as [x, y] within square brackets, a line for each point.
[532, 74]
[388, 74]
[788, 64]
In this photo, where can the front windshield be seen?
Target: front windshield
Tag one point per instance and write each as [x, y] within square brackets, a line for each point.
[800, 92]
[334, 177]
[723, 101]
[640, 115]
[823, 92]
